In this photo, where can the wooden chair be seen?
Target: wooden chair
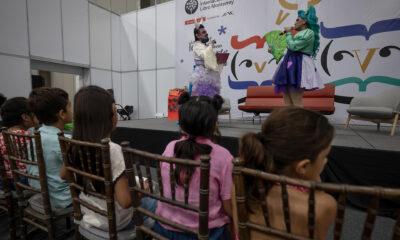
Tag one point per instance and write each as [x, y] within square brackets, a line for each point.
[100, 154]
[6, 200]
[35, 210]
[340, 189]
[133, 159]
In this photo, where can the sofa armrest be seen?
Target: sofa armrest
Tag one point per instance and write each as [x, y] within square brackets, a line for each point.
[241, 100]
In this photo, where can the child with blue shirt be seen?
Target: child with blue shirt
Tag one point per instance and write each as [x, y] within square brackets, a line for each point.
[53, 109]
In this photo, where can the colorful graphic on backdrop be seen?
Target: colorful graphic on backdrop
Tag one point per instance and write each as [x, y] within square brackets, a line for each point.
[357, 66]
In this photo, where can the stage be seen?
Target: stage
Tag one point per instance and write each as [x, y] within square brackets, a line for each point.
[356, 136]
[360, 155]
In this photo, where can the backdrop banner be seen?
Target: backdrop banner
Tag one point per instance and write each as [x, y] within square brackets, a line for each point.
[359, 47]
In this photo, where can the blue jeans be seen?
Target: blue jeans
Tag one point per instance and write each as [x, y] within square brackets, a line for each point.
[221, 233]
[147, 203]
[23, 180]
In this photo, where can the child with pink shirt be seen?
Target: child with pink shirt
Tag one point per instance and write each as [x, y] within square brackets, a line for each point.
[198, 120]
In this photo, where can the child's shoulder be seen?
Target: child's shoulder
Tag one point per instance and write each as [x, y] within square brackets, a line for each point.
[114, 145]
[221, 151]
[169, 149]
[115, 150]
[325, 203]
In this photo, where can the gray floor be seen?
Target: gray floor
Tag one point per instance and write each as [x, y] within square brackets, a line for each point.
[359, 136]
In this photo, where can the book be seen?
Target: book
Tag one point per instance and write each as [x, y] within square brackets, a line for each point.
[222, 58]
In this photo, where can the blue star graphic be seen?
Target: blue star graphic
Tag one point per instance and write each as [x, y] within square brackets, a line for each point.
[222, 30]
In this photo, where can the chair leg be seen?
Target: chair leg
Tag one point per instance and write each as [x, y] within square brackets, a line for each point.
[230, 117]
[396, 118]
[23, 230]
[51, 232]
[378, 125]
[11, 218]
[22, 224]
[68, 223]
[11, 225]
[348, 121]
[77, 234]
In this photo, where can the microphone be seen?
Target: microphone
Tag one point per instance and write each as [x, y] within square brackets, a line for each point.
[284, 32]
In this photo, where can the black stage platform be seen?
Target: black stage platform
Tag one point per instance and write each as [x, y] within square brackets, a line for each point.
[359, 156]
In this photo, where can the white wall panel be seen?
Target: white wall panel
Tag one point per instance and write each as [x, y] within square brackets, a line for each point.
[100, 37]
[165, 82]
[129, 55]
[130, 91]
[147, 95]
[15, 77]
[116, 42]
[75, 20]
[147, 38]
[166, 35]
[101, 78]
[45, 28]
[117, 86]
[13, 27]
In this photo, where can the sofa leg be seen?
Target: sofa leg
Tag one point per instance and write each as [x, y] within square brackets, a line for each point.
[396, 118]
[378, 126]
[348, 121]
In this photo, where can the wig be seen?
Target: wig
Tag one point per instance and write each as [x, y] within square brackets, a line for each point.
[197, 30]
[312, 23]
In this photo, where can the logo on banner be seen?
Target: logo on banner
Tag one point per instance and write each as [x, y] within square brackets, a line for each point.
[191, 6]
[192, 21]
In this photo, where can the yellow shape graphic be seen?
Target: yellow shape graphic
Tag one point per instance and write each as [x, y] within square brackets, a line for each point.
[313, 2]
[287, 5]
[367, 60]
[280, 19]
[295, 6]
[259, 70]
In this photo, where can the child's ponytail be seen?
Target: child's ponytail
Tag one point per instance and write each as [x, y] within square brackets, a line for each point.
[253, 150]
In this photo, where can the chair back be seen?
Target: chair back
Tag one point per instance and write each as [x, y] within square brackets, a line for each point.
[6, 202]
[239, 172]
[389, 98]
[3, 173]
[134, 158]
[27, 149]
[89, 171]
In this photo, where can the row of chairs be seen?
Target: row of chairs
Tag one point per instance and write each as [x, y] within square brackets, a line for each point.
[138, 166]
[33, 203]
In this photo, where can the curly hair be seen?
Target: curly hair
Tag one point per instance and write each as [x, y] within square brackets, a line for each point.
[312, 23]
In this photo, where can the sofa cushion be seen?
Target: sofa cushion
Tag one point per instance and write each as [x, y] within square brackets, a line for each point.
[327, 92]
[262, 92]
[265, 104]
[372, 112]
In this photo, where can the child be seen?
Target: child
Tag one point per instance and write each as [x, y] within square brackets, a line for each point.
[198, 120]
[92, 124]
[18, 119]
[53, 109]
[293, 142]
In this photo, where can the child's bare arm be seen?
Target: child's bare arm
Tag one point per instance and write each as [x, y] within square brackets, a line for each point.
[63, 172]
[326, 208]
[121, 191]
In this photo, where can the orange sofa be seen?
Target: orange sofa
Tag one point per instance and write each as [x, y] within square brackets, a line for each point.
[263, 99]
